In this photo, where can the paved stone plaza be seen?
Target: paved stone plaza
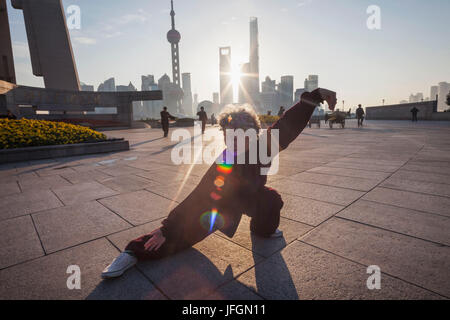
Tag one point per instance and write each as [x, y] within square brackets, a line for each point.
[353, 198]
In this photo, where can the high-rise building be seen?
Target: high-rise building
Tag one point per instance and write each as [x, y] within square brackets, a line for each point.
[150, 109]
[444, 90]
[187, 98]
[434, 90]
[312, 83]
[286, 91]
[416, 97]
[138, 113]
[216, 99]
[249, 82]
[195, 105]
[86, 87]
[226, 85]
[172, 94]
[269, 96]
[107, 86]
[254, 61]
[298, 94]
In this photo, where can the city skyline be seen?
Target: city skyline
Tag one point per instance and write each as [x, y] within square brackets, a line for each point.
[376, 68]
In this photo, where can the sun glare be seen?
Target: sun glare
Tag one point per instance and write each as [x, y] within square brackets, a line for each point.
[235, 80]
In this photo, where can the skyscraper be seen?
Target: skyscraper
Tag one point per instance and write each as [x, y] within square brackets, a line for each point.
[254, 60]
[187, 98]
[434, 90]
[249, 82]
[226, 85]
[286, 90]
[150, 109]
[444, 90]
[269, 96]
[311, 83]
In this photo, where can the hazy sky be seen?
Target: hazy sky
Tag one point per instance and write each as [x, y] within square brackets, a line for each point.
[126, 39]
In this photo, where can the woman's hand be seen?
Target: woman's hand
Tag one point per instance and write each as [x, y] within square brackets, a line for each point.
[155, 242]
[326, 95]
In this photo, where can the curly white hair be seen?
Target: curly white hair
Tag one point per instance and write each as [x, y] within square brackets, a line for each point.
[239, 117]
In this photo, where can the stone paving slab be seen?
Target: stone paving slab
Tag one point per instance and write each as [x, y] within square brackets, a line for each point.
[121, 239]
[120, 170]
[138, 207]
[199, 271]
[311, 212]
[85, 176]
[431, 188]
[422, 176]
[68, 226]
[176, 191]
[414, 223]
[81, 192]
[54, 170]
[414, 201]
[416, 261]
[127, 183]
[42, 183]
[8, 188]
[18, 241]
[427, 169]
[232, 291]
[46, 277]
[27, 202]
[354, 183]
[305, 272]
[362, 166]
[335, 195]
[263, 246]
[355, 173]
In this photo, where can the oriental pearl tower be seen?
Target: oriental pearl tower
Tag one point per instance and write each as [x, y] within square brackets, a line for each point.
[174, 37]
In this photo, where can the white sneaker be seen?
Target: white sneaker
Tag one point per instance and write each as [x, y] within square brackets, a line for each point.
[121, 264]
[277, 234]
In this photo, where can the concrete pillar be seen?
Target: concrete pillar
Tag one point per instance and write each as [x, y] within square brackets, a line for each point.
[7, 72]
[49, 42]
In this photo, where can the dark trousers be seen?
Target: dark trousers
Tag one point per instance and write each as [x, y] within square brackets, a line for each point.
[360, 122]
[165, 127]
[414, 117]
[203, 126]
[264, 209]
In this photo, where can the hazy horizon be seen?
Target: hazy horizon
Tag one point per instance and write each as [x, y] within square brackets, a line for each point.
[126, 40]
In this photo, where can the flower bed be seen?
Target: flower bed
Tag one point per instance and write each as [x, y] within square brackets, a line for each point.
[31, 133]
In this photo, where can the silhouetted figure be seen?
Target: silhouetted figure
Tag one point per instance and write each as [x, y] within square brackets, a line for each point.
[269, 113]
[203, 118]
[414, 112]
[281, 112]
[227, 191]
[360, 115]
[213, 119]
[165, 116]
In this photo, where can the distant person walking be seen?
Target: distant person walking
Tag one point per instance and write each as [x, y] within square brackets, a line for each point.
[414, 112]
[360, 115]
[281, 112]
[165, 116]
[213, 119]
[203, 118]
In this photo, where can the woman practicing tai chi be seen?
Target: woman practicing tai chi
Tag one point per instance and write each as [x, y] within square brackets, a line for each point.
[226, 191]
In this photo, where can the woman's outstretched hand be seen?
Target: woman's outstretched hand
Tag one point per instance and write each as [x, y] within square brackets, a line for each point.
[326, 95]
[155, 242]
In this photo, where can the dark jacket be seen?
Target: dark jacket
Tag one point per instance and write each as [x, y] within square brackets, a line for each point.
[202, 116]
[165, 116]
[242, 185]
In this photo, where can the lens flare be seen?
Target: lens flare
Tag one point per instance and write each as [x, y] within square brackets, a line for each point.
[211, 220]
[215, 196]
[225, 168]
[219, 182]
